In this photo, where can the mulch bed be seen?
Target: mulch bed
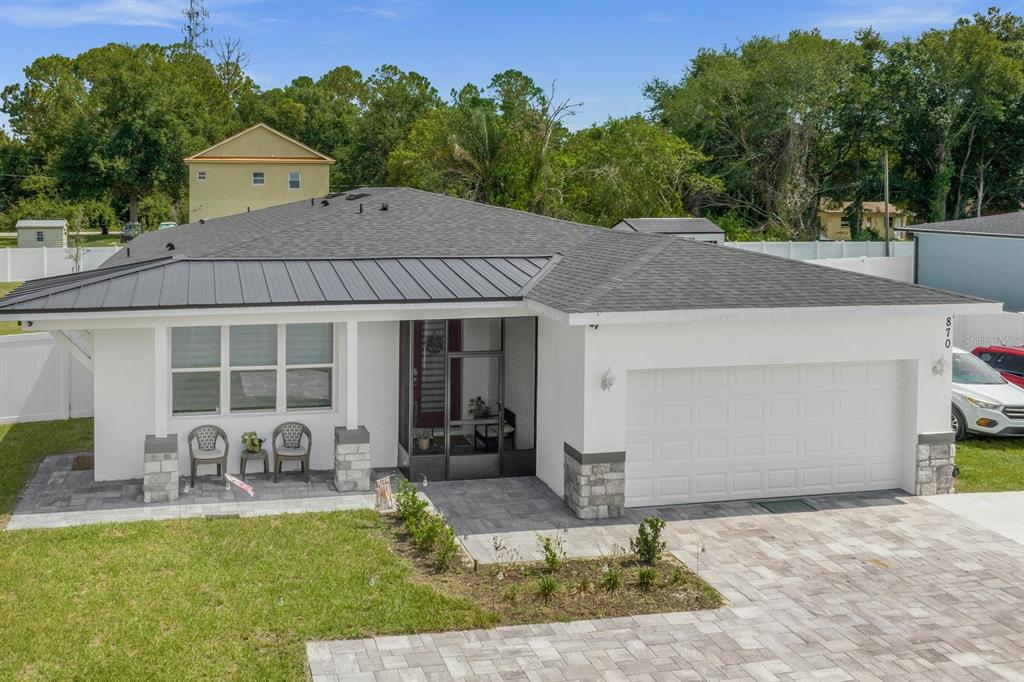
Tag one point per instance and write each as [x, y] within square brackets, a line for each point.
[511, 589]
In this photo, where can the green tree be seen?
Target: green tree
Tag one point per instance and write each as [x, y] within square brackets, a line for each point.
[954, 105]
[625, 168]
[766, 113]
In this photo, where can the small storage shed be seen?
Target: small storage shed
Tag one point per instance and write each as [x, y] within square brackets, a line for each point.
[697, 229]
[34, 233]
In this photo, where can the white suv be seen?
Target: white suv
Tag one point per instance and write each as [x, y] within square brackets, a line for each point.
[984, 403]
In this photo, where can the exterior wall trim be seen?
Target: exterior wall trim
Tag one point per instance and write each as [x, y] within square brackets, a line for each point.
[595, 457]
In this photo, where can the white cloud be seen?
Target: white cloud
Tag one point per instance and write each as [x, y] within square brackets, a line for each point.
[42, 14]
[891, 16]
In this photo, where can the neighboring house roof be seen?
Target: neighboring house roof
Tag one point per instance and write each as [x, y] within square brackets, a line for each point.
[598, 270]
[172, 282]
[669, 226]
[310, 154]
[1002, 225]
[833, 206]
[29, 224]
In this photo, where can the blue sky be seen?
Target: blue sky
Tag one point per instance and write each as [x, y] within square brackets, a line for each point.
[598, 53]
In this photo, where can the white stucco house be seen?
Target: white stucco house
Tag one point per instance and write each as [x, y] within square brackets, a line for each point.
[463, 340]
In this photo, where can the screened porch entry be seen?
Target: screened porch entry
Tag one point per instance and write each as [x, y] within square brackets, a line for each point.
[467, 393]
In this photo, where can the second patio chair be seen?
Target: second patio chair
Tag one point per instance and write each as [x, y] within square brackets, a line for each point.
[287, 444]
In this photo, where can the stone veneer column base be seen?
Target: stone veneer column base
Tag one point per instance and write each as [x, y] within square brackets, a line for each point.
[595, 483]
[936, 453]
[351, 459]
[160, 469]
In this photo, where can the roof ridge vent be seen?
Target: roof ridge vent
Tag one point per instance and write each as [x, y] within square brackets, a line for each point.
[358, 195]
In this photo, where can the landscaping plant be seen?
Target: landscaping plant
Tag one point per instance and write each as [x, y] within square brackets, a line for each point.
[646, 577]
[611, 578]
[547, 586]
[551, 546]
[648, 545]
[446, 546]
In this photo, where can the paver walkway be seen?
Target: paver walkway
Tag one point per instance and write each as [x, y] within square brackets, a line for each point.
[897, 589]
[59, 496]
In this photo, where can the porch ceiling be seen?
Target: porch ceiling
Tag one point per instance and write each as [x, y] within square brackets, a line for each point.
[194, 282]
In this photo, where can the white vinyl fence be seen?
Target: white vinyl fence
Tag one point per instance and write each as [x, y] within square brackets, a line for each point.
[39, 380]
[19, 265]
[1000, 329]
[819, 249]
[865, 257]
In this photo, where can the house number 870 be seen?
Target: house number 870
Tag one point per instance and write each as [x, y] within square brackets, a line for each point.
[949, 332]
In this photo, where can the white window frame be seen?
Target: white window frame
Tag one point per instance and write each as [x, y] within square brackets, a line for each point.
[263, 178]
[172, 370]
[225, 369]
[201, 176]
[298, 179]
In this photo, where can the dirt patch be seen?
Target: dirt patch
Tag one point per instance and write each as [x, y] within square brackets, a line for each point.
[582, 588]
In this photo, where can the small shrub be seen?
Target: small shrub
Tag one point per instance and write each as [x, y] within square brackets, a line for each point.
[648, 545]
[551, 546]
[426, 531]
[676, 577]
[511, 594]
[547, 586]
[446, 546]
[611, 578]
[646, 577]
[408, 503]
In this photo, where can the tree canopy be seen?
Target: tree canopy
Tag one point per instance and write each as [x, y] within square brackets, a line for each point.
[755, 135]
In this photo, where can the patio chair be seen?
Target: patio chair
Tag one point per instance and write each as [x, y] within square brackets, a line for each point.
[202, 449]
[290, 435]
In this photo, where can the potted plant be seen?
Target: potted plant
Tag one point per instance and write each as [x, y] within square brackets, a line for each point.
[479, 408]
[252, 442]
[423, 440]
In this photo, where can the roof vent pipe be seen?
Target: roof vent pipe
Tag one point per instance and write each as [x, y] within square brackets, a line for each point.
[360, 209]
[325, 203]
[170, 246]
[312, 200]
[383, 205]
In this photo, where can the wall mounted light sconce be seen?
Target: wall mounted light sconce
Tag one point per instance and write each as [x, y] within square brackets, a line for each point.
[940, 366]
[607, 380]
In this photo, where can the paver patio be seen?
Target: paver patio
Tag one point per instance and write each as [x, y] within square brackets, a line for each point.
[58, 496]
[869, 587]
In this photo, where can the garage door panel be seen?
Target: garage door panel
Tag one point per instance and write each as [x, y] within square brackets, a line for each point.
[734, 433]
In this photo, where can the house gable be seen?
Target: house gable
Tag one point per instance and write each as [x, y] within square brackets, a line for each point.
[260, 142]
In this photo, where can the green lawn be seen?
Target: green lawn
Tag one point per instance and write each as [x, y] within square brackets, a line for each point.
[194, 599]
[23, 446]
[205, 599]
[990, 465]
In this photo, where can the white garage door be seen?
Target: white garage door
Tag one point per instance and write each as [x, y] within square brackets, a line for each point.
[730, 433]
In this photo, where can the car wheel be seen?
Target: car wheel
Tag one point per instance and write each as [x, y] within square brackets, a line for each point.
[957, 424]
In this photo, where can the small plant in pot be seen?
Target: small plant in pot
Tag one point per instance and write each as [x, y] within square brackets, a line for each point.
[479, 408]
[252, 442]
[423, 440]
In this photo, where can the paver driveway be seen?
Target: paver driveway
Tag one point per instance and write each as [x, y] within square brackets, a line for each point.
[900, 589]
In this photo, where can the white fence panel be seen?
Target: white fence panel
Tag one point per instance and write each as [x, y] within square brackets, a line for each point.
[1000, 329]
[817, 250]
[899, 268]
[40, 380]
[19, 265]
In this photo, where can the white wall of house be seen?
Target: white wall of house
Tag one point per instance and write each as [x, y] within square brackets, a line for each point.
[560, 393]
[574, 408]
[123, 399]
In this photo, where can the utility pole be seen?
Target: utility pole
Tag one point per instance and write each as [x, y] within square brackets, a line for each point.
[885, 161]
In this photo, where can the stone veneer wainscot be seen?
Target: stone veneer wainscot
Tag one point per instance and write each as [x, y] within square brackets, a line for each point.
[351, 459]
[160, 469]
[936, 453]
[595, 483]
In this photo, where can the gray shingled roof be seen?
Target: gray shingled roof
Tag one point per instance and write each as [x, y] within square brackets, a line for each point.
[174, 282]
[1003, 225]
[669, 226]
[599, 270]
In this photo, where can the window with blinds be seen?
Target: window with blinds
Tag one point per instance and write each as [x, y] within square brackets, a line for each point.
[249, 368]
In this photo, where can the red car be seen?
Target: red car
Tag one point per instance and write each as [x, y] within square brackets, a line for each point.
[1007, 360]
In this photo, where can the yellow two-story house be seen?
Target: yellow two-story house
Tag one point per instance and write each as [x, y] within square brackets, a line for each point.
[256, 168]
